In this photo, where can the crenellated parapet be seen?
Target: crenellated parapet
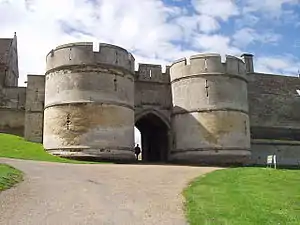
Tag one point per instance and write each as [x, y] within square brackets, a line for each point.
[82, 53]
[210, 110]
[152, 73]
[89, 102]
[208, 64]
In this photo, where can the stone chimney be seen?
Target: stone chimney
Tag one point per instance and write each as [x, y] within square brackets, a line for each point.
[248, 59]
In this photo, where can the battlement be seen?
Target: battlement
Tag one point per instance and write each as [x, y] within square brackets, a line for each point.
[209, 63]
[83, 53]
[152, 73]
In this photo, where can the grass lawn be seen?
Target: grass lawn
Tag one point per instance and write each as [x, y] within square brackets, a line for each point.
[244, 196]
[12, 146]
[9, 176]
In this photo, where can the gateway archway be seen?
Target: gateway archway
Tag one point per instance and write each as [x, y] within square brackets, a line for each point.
[154, 137]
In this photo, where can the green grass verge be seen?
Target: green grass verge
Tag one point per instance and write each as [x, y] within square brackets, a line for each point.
[244, 196]
[12, 146]
[9, 176]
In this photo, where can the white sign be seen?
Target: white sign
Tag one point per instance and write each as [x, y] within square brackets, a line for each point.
[271, 159]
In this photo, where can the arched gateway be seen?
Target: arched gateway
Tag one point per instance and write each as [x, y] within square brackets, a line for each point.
[155, 136]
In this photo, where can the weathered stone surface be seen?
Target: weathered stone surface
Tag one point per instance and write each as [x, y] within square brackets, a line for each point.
[89, 102]
[287, 152]
[34, 108]
[210, 111]
[274, 104]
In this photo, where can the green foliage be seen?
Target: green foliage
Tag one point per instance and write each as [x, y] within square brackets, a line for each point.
[12, 146]
[245, 196]
[9, 176]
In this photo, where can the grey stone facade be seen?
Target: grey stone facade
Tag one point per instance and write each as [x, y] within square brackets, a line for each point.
[200, 110]
[210, 110]
[12, 97]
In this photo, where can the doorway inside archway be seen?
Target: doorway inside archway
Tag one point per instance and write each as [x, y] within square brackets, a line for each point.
[153, 138]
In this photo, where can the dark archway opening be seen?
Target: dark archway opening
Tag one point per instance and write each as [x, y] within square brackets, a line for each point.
[154, 138]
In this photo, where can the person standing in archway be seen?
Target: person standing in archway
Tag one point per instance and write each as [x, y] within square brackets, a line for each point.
[137, 151]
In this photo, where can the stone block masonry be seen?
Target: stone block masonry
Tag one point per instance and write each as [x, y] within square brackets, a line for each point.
[34, 108]
[210, 110]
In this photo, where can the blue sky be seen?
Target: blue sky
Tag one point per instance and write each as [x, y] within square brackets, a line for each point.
[158, 31]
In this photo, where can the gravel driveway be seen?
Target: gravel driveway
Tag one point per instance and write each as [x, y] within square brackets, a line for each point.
[63, 194]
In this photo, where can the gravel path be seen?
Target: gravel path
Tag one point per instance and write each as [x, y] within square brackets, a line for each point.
[104, 194]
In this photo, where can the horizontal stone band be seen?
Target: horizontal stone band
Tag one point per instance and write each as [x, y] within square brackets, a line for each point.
[78, 148]
[34, 111]
[208, 110]
[83, 66]
[274, 142]
[90, 102]
[209, 74]
[166, 83]
[210, 149]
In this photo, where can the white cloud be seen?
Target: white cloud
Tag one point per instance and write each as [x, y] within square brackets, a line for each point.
[274, 8]
[208, 24]
[215, 44]
[150, 34]
[246, 36]
[196, 23]
[248, 20]
[281, 65]
[268, 12]
[222, 9]
[41, 26]
[38, 29]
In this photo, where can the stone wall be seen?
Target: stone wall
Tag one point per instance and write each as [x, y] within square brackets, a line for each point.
[287, 152]
[12, 109]
[152, 91]
[12, 121]
[9, 72]
[34, 108]
[4, 49]
[89, 102]
[12, 98]
[274, 106]
[210, 111]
